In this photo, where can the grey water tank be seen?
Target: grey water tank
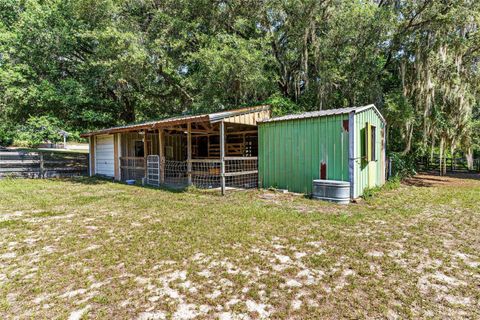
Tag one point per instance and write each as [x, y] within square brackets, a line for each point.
[331, 190]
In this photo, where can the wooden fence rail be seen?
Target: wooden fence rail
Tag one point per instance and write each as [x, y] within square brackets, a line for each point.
[42, 164]
[451, 164]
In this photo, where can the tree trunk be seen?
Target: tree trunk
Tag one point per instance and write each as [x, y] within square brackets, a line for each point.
[128, 114]
[440, 156]
[452, 154]
[444, 165]
[469, 157]
[408, 146]
[432, 148]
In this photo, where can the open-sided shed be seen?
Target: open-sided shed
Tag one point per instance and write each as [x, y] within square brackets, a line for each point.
[345, 144]
[209, 150]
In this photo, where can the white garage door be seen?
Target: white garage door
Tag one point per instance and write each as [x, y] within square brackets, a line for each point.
[104, 159]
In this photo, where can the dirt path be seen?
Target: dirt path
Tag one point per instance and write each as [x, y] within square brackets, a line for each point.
[451, 180]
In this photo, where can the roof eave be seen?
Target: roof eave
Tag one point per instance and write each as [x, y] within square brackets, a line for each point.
[212, 118]
[346, 111]
[219, 116]
[361, 109]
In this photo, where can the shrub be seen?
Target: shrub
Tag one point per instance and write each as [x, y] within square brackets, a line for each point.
[38, 130]
[7, 135]
[403, 166]
[22, 143]
[282, 106]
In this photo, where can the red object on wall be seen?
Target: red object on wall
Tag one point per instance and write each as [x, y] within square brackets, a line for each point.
[323, 171]
[345, 125]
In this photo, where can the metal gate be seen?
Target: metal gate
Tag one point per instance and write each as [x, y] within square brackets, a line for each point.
[153, 170]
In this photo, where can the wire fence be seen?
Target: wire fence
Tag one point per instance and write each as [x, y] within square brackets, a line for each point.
[132, 168]
[175, 173]
[240, 172]
[206, 173]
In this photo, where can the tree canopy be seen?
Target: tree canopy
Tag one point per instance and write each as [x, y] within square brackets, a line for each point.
[91, 64]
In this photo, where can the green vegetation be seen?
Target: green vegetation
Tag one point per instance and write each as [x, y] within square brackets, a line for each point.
[91, 64]
[403, 165]
[109, 250]
[391, 184]
[38, 130]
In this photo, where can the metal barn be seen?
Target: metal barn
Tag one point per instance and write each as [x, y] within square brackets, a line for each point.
[339, 144]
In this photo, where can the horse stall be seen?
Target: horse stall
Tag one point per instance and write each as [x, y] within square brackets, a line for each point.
[211, 151]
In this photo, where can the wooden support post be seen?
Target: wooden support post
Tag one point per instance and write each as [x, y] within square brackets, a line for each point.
[208, 146]
[42, 165]
[92, 155]
[161, 145]
[222, 156]
[145, 153]
[116, 168]
[189, 153]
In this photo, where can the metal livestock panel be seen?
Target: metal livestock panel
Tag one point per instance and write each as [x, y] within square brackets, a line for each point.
[153, 170]
[293, 153]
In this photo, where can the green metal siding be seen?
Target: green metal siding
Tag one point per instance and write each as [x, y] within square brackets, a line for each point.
[361, 167]
[291, 152]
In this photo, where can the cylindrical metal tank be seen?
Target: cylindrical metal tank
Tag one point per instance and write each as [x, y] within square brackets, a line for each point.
[331, 190]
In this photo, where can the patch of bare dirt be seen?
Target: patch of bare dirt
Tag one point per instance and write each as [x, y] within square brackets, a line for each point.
[434, 180]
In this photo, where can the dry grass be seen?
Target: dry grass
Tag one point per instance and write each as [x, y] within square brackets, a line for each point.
[91, 249]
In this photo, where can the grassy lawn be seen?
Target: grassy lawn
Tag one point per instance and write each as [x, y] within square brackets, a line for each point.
[89, 249]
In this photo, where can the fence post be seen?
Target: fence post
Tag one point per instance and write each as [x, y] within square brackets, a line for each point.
[222, 156]
[42, 165]
[389, 167]
[189, 153]
[161, 144]
[145, 154]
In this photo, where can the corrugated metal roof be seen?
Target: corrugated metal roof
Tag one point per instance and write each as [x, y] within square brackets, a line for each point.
[212, 118]
[218, 116]
[323, 113]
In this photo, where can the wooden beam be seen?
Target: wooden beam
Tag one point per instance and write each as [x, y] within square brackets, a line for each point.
[116, 171]
[175, 129]
[145, 153]
[241, 173]
[241, 132]
[222, 156]
[92, 155]
[205, 160]
[208, 146]
[189, 153]
[194, 130]
[161, 146]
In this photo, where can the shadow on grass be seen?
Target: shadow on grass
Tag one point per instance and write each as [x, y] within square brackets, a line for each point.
[171, 189]
[86, 180]
[97, 180]
[432, 179]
